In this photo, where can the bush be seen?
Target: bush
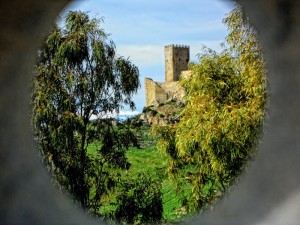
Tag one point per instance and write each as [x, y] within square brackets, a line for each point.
[140, 201]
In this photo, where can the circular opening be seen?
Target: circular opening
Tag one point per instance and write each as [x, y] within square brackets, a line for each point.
[203, 139]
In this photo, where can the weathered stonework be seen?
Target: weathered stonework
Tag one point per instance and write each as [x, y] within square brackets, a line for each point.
[177, 58]
[176, 67]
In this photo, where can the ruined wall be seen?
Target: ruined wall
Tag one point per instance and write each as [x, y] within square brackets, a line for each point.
[176, 64]
[155, 92]
[160, 92]
[174, 90]
[149, 90]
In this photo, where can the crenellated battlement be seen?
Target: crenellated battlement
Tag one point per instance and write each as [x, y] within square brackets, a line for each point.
[177, 46]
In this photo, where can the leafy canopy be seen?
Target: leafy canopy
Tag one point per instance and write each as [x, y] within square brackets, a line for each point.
[140, 201]
[222, 120]
[78, 74]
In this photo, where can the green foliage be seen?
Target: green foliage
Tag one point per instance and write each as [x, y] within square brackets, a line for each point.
[79, 75]
[140, 201]
[148, 161]
[222, 120]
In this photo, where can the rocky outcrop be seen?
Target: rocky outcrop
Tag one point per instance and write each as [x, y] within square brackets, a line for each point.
[163, 114]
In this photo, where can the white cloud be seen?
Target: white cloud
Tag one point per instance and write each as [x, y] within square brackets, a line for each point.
[121, 114]
[142, 55]
[153, 55]
[128, 113]
[140, 29]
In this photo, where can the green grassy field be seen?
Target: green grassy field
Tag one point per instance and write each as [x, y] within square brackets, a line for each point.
[154, 164]
[149, 161]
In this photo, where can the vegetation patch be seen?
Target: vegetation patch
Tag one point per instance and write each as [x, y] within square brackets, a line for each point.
[223, 117]
[120, 170]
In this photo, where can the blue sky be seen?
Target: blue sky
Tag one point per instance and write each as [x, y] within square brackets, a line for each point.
[141, 29]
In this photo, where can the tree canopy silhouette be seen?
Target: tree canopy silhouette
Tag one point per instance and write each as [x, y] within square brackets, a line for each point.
[78, 74]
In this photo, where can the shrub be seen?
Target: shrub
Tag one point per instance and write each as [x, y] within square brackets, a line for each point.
[140, 201]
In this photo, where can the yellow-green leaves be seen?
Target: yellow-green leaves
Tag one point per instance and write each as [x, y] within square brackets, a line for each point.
[223, 117]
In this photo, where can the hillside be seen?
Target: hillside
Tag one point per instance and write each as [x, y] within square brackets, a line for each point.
[163, 114]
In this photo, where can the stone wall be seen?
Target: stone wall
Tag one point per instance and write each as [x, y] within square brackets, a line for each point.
[174, 90]
[177, 58]
[160, 92]
[149, 90]
[155, 92]
[176, 65]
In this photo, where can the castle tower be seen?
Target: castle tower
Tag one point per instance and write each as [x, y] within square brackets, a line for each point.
[177, 58]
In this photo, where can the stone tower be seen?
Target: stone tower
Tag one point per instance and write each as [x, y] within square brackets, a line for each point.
[177, 58]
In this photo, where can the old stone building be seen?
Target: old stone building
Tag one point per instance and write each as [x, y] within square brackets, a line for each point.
[177, 58]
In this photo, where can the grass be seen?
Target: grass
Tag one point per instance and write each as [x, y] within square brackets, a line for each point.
[148, 160]
[151, 162]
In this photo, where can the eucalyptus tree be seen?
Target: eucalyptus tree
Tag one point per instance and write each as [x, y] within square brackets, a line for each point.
[222, 120]
[78, 75]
